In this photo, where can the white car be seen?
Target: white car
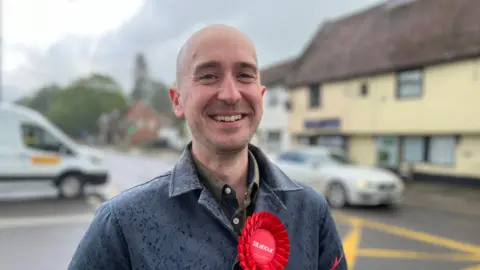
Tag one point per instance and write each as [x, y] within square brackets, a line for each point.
[339, 179]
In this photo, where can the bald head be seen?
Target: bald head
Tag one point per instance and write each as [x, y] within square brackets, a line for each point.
[209, 35]
[218, 77]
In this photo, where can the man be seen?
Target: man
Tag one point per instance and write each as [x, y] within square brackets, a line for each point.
[191, 217]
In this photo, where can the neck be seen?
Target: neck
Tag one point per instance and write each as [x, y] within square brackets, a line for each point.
[230, 167]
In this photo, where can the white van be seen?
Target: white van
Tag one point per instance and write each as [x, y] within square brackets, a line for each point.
[33, 149]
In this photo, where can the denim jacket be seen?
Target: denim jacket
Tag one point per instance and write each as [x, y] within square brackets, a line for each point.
[173, 222]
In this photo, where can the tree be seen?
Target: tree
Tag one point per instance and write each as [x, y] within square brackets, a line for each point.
[99, 82]
[161, 99]
[140, 89]
[79, 106]
[42, 99]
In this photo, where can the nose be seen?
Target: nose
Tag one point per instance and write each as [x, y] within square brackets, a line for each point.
[229, 91]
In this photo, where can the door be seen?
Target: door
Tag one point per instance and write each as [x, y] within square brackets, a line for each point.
[12, 159]
[387, 151]
[44, 153]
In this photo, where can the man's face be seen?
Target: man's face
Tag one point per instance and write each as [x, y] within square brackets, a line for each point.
[220, 94]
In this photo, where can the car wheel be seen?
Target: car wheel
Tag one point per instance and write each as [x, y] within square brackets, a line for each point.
[337, 195]
[71, 186]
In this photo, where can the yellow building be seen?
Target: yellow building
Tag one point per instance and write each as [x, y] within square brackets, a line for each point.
[396, 85]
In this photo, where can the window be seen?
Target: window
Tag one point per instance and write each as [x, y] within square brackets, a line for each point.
[273, 140]
[439, 150]
[272, 98]
[409, 84]
[331, 141]
[340, 159]
[293, 157]
[442, 150]
[304, 140]
[288, 106]
[37, 138]
[413, 149]
[364, 90]
[273, 136]
[315, 96]
[313, 140]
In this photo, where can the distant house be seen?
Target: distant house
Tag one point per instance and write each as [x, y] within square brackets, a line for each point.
[273, 134]
[109, 127]
[142, 123]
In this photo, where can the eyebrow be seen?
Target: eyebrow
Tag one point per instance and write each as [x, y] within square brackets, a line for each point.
[216, 64]
[249, 66]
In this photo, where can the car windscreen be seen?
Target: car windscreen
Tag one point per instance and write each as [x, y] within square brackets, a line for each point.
[341, 159]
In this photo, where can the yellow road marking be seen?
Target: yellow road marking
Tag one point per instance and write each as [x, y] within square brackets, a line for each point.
[415, 235]
[351, 242]
[408, 254]
[424, 237]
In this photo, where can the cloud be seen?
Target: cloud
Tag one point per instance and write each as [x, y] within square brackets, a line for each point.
[280, 29]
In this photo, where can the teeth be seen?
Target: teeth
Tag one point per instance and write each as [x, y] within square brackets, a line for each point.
[228, 118]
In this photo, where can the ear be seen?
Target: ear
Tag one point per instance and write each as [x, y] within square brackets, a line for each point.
[263, 90]
[177, 105]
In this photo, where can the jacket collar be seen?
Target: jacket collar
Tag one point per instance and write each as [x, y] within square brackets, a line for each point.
[184, 176]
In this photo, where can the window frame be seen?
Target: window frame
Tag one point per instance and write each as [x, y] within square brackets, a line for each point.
[364, 89]
[273, 98]
[291, 158]
[423, 149]
[408, 82]
[428, 157]
[314, 96]
[276, 132]
[63, 149]
[432, 158]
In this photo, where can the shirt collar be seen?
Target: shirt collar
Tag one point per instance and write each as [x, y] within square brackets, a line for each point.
[184, 177]
[216, 185]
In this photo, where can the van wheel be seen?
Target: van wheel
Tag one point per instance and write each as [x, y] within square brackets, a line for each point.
[337, 195]
[71, 186]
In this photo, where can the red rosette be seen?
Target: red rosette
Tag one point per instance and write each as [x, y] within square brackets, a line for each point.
[263, 243]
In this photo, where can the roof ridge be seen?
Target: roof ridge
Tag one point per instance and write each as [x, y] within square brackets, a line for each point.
[378, 39]
[323, 28]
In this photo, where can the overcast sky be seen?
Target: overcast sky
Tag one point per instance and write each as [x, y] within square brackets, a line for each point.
[58, 40]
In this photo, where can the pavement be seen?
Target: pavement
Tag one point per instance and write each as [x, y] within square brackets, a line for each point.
[443, 196]
[41, 232]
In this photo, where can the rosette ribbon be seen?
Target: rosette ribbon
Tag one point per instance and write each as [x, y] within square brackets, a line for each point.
[263, 243]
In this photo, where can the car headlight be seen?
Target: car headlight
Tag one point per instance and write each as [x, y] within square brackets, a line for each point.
[96, 160]
[364, 184]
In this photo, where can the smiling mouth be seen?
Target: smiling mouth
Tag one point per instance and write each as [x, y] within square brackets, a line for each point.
[228, 118]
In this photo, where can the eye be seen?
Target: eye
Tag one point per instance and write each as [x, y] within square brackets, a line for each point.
[246, 75]
[208, 77]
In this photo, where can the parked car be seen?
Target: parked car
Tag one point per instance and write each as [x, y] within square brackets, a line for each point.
[339, 179]
[33, 149]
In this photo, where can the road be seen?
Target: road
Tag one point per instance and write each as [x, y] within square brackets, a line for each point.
[37, 231]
